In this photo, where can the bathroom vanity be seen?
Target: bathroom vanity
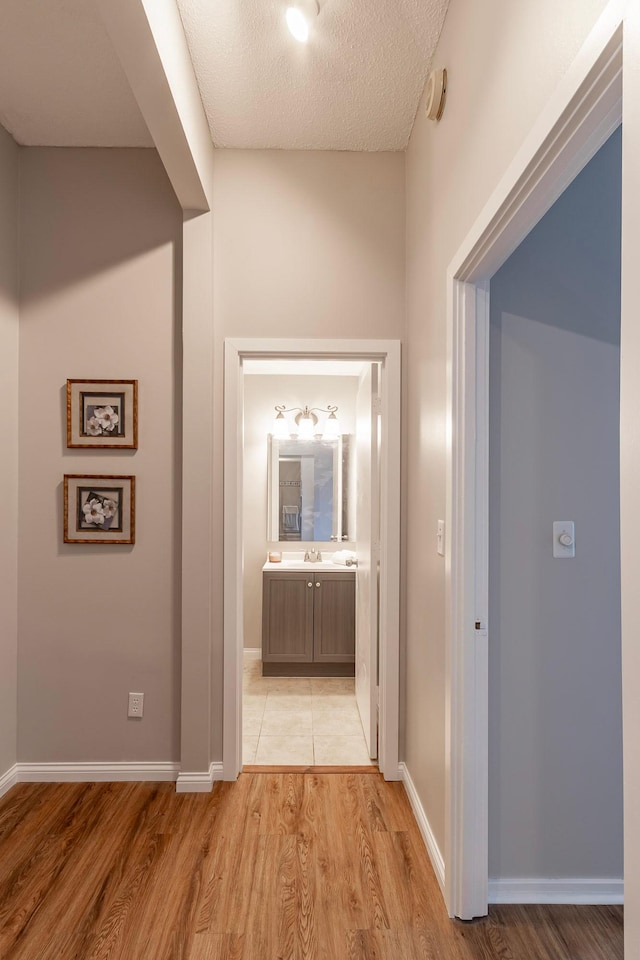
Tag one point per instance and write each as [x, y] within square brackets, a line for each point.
[308, 620]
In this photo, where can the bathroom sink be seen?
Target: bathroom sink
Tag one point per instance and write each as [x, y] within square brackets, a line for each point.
[306, 566]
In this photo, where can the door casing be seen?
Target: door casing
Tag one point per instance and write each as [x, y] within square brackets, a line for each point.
[387, 353]
[367, 540]
[584, 111]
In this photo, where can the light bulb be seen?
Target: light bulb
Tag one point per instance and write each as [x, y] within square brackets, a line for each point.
[298, 24]
[306, 428]
[332, 427]
[280, 427]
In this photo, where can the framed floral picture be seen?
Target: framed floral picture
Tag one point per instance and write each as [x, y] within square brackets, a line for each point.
[102, 413]
[99, 509]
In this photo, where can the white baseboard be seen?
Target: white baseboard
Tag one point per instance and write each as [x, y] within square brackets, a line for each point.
[437, 860]
[95, 772]
[8, 779]
[252, 653]
[570, 890]
[199, 781]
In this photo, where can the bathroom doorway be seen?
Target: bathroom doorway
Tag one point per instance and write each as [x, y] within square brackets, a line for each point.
[300, 706]
[299, 615]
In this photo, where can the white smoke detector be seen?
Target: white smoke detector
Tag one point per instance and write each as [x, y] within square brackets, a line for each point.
[435, 94]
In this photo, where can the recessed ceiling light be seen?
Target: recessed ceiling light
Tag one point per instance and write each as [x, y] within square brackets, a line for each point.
[299, 16]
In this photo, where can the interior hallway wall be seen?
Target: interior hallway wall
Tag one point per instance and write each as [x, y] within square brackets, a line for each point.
[261, 393]
[555, 698]
[9, 319]
[100, 240]
[491, 51]
[306, 244]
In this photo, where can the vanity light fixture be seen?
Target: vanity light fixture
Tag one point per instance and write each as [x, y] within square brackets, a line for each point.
[306, 423]
[280, 427]
[300, 16]
[332, 426]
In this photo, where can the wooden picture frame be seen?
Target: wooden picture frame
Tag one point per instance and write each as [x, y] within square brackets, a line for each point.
[99, 508]
[102, 414]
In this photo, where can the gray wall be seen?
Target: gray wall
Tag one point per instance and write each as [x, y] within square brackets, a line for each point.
[100, 235]
[100, 239]
[452, 168]
[555, 754]
[306, 243]
[9, 191]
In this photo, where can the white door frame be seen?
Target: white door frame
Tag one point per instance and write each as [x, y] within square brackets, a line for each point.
[584, 110]
[387, 352]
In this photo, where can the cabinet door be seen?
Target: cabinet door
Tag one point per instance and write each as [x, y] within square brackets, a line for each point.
[287, 617]
[334, 617]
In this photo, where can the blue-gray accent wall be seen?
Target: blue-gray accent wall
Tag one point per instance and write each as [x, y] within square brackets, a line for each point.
[555, 703]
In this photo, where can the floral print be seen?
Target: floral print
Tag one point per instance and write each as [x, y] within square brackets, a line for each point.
[99, 511]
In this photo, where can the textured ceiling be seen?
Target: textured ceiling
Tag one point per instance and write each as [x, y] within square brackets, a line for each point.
[355, 86]
[61, 83]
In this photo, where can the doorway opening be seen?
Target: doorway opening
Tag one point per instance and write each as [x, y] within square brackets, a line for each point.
[311, 584]
[303, 635]
[555, 677]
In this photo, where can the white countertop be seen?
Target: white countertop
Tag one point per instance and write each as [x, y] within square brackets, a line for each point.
[295, 562]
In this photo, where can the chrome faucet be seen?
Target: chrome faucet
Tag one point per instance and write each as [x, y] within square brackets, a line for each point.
[312, 556]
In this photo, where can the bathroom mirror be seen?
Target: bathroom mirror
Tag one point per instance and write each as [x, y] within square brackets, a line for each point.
[308, 488]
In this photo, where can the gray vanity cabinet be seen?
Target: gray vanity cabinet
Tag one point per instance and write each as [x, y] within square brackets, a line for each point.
[334, 618]
[287, 618]
[308, 623]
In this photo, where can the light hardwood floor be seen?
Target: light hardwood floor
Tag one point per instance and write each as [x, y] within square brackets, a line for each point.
[278, 866]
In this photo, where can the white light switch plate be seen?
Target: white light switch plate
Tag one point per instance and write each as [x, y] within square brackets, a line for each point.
[440, 540]
[564, 539]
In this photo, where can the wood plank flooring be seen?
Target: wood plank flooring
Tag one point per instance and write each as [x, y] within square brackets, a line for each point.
[278, 866]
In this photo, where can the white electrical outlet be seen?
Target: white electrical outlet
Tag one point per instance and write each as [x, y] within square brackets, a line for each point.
[136, 705]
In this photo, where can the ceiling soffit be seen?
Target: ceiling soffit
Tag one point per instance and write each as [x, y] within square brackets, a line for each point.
[61, 83]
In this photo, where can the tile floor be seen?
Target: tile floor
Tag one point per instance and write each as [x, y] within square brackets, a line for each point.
[300, 722]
